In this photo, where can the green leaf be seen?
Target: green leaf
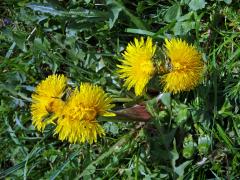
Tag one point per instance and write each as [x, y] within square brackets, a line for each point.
[173, 13]
[87, 1]
[135, 20]
[20, 38]
[143, 32]
[81, 12]
[111, 127]
[224, 137]
[185, 17]
[197, 4]
[89, 170]
[185, 1]
[44, 9]
[40, 45]
[166, 99]
[151, 106]
[182, 114]
[228, 1]
[115, 10]
[182, 28]
[180, 169]
[226, 110]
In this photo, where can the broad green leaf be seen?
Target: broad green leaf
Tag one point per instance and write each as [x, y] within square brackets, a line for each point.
[115, 10]
[135, 20]
[89, 170]
[41, 45]
[197, 4]
[185, 17]
[166, 99]
[143, 32]
[81, 12]
[182, 114]
[173, 13]
[111, 127]
[181, 168]
[182, 28]
[20, 38]
[228, 1]
[44, 9]
[87, 1]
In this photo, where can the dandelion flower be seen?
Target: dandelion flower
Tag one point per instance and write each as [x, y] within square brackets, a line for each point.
[77, 122]
[47, 101]
[137, 66]
[186, 66]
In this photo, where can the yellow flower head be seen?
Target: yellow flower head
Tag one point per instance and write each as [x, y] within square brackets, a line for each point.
[77, 122]
[137, 66]
[186, 66]
[47, 100]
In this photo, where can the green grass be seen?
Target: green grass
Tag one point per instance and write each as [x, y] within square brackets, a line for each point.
[192, 135]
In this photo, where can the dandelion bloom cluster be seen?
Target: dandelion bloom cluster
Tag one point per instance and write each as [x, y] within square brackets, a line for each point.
[186, 66]
[47, 100]
[137, 66]
[75, 118]
[75, 115]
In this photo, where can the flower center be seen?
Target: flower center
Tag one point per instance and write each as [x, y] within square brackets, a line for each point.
[146, 67]
[178, 66]
[54, 105]
[89, 114]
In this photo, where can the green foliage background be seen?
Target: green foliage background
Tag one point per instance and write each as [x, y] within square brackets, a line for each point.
[192, 135]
